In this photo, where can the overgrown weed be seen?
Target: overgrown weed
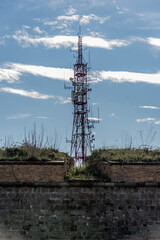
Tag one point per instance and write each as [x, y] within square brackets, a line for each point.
[85, 172]
[36, 145]
[126, 155]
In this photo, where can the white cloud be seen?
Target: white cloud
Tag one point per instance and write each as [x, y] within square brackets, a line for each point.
[85, 19]
[113, 115]
[63, 100]
[157, 122]
[9, 75]
[26, 27]
[41, 117]
[11, 72]
[140, 120]
[71, 11]
[63, 21]
[67, 41]
[2, 42]
[21, 92]
[19, 116]
[35, 95]
[50, 42]
[38, 30]
[149, 107]
[98, 42]
[132, 77]
[94, 119]
[49, 23]
[49, 72]
[16, 70]
[154, 42]
[96, 34]
[73, 18]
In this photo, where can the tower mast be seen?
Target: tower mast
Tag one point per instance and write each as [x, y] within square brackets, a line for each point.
[81, 143]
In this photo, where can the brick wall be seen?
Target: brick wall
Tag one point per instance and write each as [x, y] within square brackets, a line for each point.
[42, 171]
[131, 172]
[32, 171]
[79, 210]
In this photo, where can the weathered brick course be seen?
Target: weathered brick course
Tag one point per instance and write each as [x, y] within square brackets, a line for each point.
[131, 172]
[37, 171]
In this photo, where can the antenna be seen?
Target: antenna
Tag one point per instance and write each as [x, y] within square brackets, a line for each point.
[98, 115]
[79, 34]
[82, 137]
[89, 61]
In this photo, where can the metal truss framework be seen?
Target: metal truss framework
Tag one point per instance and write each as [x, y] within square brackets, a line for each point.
[82, 137]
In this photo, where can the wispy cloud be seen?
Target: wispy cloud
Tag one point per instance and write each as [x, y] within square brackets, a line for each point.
[35, 95]
[149, 107]
[157, 122]
[9, 75]
[154, 42]
[64, 21]
[95, 40]
[50, 42]
[85, 19]
[70, 11]
[19, 116]
[67, 41]
[21, 92]
[112, 115]
[72, 18]
[63, 100]
[148, 20]
[38, 30]
[13, 71]
[132, 77]
[140, 120]
[2, 40]
[98, 42]
[94, 119]
[149, 120]
[41, 117]
[96, 34]
[49, 72]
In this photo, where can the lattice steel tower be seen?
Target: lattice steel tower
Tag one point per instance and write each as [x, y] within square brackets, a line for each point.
[82, 137]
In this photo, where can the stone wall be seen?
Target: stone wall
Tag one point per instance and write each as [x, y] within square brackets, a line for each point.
[79, 210]
[131, 172]
[36, 171]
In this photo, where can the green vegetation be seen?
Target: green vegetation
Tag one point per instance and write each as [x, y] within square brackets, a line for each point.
[125, 155]
[38, 146]
[27, 152]
[79, 173]
[92, 169]
[88, 171]
[35, 146]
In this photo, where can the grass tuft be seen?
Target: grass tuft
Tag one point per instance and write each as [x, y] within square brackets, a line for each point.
[27, 152]
[85, 172]
[125, 155]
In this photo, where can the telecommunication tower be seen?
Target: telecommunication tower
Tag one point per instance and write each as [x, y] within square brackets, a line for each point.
[82, 137]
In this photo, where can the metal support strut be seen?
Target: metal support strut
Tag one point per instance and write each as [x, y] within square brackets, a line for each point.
[82, 138]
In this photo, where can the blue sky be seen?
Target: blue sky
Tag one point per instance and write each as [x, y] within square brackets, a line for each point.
[123, 38]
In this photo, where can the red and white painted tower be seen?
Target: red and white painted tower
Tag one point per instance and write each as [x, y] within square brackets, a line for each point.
[82, 137]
